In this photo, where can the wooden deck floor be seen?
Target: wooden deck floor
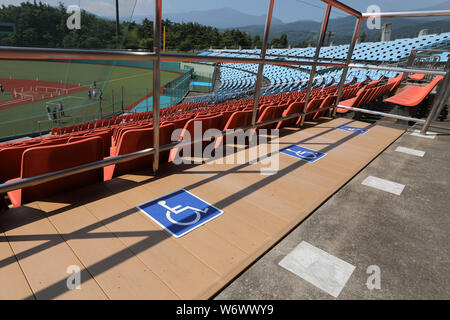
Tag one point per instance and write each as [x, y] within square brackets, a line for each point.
[125, 255]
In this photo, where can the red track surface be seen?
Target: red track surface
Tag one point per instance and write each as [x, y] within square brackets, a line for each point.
[35, 90]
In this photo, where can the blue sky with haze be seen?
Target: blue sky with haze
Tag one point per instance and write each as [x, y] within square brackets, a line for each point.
[286, 10]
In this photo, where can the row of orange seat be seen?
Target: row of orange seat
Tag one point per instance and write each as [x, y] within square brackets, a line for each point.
[132, 117]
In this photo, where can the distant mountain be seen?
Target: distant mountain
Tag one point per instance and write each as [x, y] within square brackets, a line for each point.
[306, 30]
[219, 18]
[302, 30]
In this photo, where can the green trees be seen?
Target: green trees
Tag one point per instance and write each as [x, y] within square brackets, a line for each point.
[363, 37]
[235, 38]
[281, 42]
[41, 25]
[257, 43]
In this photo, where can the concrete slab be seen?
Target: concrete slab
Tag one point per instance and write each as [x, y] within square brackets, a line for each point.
[318, 267]
[413, 152]
[384, 185]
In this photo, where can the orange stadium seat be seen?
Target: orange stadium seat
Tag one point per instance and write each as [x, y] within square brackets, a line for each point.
[134, 140]
[10, 158]
[411, 96]
[44, 159]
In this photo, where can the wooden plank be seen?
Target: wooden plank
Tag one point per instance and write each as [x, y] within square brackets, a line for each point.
[44, 256]
[215, 251]
[185, 274]
[113, 265]
[13, 284]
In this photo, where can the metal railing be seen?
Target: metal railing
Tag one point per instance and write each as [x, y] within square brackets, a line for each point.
[156, 56]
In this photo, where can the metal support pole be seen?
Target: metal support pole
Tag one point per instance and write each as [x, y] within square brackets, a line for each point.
[112, 92]
[261, 65]
[117, 24]
[122, 99]
[409, 63]
[347, 62]
[439, 99]
[156, 81]
[323, 30]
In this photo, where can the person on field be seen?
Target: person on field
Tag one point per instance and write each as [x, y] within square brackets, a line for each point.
[100, 96]
[61, 109]
[94, 93]
[49, 113]
[55, 116]
[89, 94]
[95, 84]
[2, 89]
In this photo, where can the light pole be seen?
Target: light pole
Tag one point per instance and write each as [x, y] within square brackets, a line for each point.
[117, 24]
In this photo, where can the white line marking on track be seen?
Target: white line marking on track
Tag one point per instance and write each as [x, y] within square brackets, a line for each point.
[410, 151]
[318, 267]
[384, 185]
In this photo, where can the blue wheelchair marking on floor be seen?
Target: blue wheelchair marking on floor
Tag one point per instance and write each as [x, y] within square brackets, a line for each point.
[303, 153]
[352, 129]
[179, 212]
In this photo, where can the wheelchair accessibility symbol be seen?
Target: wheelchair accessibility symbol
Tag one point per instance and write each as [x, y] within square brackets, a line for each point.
[179, 212]
[176, 210]
[352, 129]
[303, 153]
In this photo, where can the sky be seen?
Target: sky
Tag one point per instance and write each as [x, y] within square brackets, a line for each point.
[285, 10]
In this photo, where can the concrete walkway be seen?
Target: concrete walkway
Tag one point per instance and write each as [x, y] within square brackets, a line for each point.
[397, 243]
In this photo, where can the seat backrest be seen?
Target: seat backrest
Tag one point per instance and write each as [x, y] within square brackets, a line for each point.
[312, 105]
[139, 139]
[120, 131]
[207, 123]
[44, 159]
[270, 113]
[363, 98]
[179, 123]
[11, 158]
[432, 84]
[239, 119]
[295, 107]
[105, 135]
[328, 101]
[395, 81]
[226, 115]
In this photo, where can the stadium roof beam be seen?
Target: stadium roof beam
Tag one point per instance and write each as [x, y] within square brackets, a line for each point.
[259, 74]
[406, 14]
[348, 60]
[323, 30]
[72, 54]
[339, 5]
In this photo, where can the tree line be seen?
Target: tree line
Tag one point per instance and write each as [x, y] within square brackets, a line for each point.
[41, 25]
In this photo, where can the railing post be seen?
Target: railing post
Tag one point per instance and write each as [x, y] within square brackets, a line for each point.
[156, 82]
[347, 62]
[261, 65]
[439, 99]
[409, 63]
[112, 101]
[323, 30]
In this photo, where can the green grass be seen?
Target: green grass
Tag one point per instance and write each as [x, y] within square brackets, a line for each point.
[6, 96]
[136, 83]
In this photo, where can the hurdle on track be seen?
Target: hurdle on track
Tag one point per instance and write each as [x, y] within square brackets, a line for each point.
[56, 89]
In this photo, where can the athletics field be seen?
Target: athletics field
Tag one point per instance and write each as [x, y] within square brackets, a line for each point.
[31, 86]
